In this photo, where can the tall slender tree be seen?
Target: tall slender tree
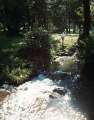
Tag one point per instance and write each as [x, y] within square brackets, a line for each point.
[83, 40]
[87, 74]
[87, 17]
[39, 13]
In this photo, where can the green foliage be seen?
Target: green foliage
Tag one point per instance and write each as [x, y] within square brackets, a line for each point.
[10, 43]
[31, 14]
[37, 48]
[17, 75]
[13, 14]
[92, 12]
[12, 66]
[38, 13]
[79, 12]
[58, 14]
[63, 14]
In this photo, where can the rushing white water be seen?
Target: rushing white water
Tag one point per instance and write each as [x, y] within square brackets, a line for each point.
[36, 100]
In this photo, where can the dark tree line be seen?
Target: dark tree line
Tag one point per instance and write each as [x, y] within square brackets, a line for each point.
[17, 14]
[28, 14]
[13, 14]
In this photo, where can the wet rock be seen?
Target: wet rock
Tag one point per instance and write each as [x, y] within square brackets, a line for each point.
[26, 88]
[3, 94]
[51, 96]
[60, 91]
[57, 92]
[8, 87]
[54, 95]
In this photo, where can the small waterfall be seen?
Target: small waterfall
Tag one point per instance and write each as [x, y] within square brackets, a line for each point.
[40, 99]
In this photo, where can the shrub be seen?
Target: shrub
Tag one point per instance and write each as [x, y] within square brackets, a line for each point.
[37, 48]
[17, 75]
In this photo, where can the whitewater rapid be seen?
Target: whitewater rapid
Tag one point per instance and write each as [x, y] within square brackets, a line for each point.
[37, 100]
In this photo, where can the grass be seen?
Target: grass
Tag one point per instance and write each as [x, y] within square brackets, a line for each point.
[69, 41]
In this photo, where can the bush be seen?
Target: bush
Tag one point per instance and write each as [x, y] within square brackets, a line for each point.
[37, 49]
[17, 75]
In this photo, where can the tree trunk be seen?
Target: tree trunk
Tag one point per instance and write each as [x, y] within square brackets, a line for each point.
[86, 26]
[85, 33]
[87, 73]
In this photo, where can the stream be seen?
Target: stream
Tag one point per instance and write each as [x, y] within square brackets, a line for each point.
[41, 99]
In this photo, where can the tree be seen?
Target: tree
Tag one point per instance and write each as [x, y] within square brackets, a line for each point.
[38, 13]
[86, 43]
[63, 14]
[87, 17]
[83, 41]
[13, 14]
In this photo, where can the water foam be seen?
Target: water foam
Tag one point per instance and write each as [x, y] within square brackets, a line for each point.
[31, 101]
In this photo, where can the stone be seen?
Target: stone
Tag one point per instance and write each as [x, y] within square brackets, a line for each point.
[60, 91]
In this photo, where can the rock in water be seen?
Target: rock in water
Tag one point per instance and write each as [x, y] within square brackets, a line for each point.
[60, 91]
[3, 94]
